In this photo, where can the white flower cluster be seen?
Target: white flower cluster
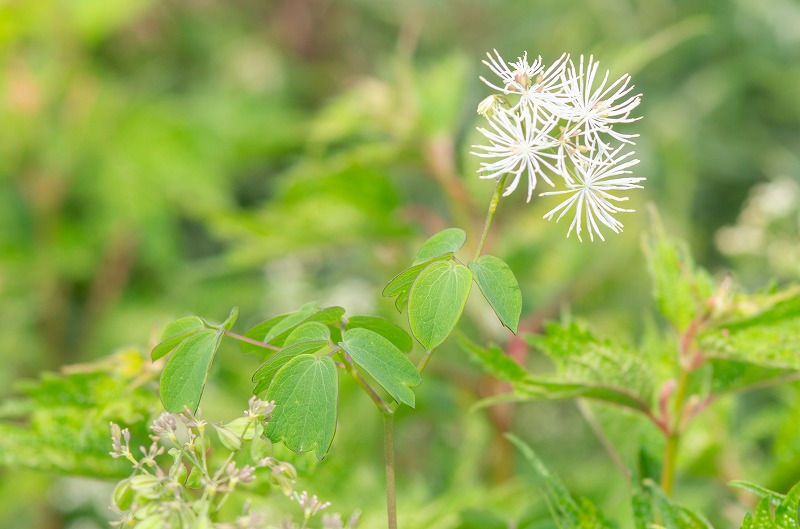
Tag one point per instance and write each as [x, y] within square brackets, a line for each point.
[558, 121]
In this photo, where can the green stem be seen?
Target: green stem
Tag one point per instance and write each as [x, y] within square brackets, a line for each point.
[674, 435]
[423, 362]
[388, 455]
[490, 215]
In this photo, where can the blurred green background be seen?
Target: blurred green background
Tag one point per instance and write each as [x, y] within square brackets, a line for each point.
[184, 156]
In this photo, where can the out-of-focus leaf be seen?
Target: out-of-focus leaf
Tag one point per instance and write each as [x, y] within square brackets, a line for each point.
[384, 362]
[63, 425]
[672, 515]
[568, 512]
[494, 361]
[680, 289]
[305, 392]
[603, 368]
[768, 338]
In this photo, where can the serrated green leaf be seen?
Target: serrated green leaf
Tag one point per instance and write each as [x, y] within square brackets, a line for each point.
[175, 333]
[500, 288]
[312, 331]
[185, 374]
[496, 362]
[390, 331]
[787, 515]
[436, 301]
[768, 338]
[672, 515]
[589, 367]
[446, 241]
[680, 289]
[568, 512]
[543, 388]
[305, 392]
[384, 362]
[730, 376]
[775, 498]
[401, 283]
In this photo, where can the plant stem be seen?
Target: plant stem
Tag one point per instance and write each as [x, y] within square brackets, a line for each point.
[388, 455]
[250, 340]
[490, 214]
[674, 434]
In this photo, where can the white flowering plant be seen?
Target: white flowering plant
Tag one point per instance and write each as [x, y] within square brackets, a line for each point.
[561, 123]
[565, 126]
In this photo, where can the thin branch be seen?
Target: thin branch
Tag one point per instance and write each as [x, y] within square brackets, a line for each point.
[250, 340]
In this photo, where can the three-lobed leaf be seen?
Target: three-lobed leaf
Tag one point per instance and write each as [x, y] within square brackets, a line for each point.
[384, 362]
[500, 288]
[184, 377]
[306, 392]
[436, 301]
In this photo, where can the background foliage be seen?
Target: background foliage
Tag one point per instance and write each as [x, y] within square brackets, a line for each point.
[165, 158]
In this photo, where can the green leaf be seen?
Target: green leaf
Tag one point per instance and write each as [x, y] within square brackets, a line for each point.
[500, 288]
[680, 289]
[290, 321]
[305, 392]
[769, 338]
[275, 330]
[264, 374]
[232, 317]
[175, 333]
[496, 362]
[672, 515]
[568, 512]
[384, 362]
[589, 367]
[186, 372]
[775, 498]
[446, 241]
[436, 301]
[390, 331]
[544, 388]
[401, 283]
[311, 331]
